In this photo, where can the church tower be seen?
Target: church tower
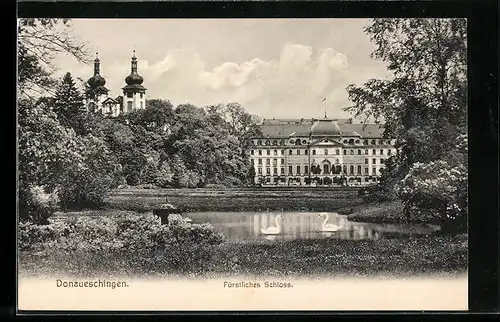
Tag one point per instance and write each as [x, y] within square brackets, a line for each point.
[96, 83]
[134, 94]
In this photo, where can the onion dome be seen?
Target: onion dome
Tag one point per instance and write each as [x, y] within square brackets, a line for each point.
[97, 80]
[325, 127]
[134, 78]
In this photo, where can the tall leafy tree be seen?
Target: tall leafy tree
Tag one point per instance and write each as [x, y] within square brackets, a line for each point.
[423, 103]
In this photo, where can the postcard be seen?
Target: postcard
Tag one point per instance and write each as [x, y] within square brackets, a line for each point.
[242, 164]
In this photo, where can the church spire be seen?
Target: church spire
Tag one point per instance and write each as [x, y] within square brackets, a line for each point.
[96, 65]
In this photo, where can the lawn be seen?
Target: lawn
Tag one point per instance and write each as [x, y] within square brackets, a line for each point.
[246, 199]
[392, 257]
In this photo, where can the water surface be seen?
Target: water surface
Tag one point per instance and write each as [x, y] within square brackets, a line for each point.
[300, 225]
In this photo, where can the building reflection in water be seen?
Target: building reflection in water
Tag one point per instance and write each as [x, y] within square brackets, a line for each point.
[298, 225]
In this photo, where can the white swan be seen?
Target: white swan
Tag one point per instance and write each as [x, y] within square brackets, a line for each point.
[273, 230]
[329, 227]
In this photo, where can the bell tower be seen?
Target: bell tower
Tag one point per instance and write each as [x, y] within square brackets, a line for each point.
[96, 85]
[134, 94]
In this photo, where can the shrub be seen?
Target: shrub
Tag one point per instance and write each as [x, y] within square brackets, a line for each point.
[36, 205]
[85, 189]
[123, 232]
[436, 191]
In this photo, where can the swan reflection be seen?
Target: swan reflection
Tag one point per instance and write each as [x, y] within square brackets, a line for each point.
[298, 225]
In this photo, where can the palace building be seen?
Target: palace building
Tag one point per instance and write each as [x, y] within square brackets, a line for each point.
[319, 152]
[133, 97]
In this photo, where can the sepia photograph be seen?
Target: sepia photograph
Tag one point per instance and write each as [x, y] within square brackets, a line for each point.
[242, 164]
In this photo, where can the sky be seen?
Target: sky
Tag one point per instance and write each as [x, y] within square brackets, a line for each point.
[282, 68]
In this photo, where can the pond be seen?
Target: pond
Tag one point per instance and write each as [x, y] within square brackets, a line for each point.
[237, 226]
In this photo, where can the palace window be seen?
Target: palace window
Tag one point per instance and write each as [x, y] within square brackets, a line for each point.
[260, 152]
[298, 152]
[345, 152]
[251, 152]
[359, 169]
[374, 152]
[304, 142]
[345, 141]
[275, 170]
[351, 169]
[306, 169]
[260, 171]
[275, 161]
[268, 152]
[268, 171]
[357, 141]
[268, 161]
[275, 152]
[298, 169]
[381, 152]
[366, 142]
[337, 161]
[366, 161]
[359, 152]
[129, 94]
[275, 142]
[314, 152]
[290, 169]
[344, 169]
[337, 151]
[366, 170]
[297, 142]
[326, 151]
[374, 171]
[352, 152]
[282, 152]
[282, 161]
[290, 152]
[260, 161]
[259, 142]
[306, 151]
[282, 170]
[374, 161]
[142, 96]
[366, 152]
[374, 142]
[351, 141]
[382, 161]
[268, 142]
[253, 161]
[389, 152]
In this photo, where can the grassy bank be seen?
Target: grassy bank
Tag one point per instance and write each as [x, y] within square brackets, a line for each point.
[247, 199]
[390, 212]
[439, 255]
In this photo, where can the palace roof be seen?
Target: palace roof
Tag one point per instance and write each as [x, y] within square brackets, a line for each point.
[283, 128]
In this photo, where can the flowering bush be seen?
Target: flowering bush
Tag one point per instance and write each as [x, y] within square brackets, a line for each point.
[125, 231]
[436, 191]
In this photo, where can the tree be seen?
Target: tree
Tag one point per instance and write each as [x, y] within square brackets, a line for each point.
[423, 103]
[38, 42]
[69, 106]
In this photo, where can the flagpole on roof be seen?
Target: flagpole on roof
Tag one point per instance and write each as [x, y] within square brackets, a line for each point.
[323, 101]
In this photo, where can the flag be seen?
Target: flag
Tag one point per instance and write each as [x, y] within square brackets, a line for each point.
[324, 99]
